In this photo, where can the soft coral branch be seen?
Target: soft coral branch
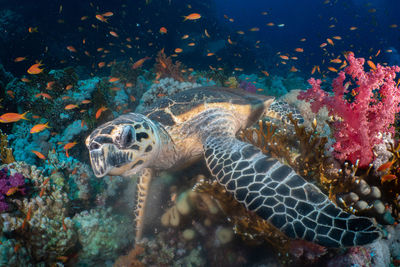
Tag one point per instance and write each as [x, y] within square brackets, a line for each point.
[365, 110]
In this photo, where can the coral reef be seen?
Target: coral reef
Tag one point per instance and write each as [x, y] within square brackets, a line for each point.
[102, 234]
[363, 111]
[165, 68]
[10, 184]
[39, 221]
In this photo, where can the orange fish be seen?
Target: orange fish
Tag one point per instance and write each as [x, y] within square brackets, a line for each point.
[49, 85]
[385, 166]
[270, 24]
[35, 68]
[185, 37]
[99, 111]
[388, 178]
[70, 106]
[313, 69]
[68, 87]
[25, 80]
[337, 37]
[293, 69]
[38, 154]
[19, 59]
[114, 34]
[300, 50]
[332, 69]
[63, 225]
[101, 64]
[101, 18]
[12, 117]
[178, 50]
[44, 95]
[46, 181]
[353, 28]
[107, 14]
[193, 16]
[206, 33]
[336, 60]
[255, 29]
[86, 101]
[284, 57]
[84, 18]
[113, 79]
[371, 64]
[330, 41]
[163, 30]
[265, 73]
[39, 127]
[17, 247]
[210, 54]
[139, 63]
[323, 45]
[189, 44]
[32, 29]
[70, 145]
[12, 191]
[132, 98]
[71, 49]
[41, 192]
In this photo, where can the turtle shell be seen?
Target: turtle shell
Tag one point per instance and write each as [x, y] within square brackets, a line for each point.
[186, 105]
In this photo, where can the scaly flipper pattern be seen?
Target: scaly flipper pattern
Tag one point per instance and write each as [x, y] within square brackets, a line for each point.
[277, 194]
[143, 185]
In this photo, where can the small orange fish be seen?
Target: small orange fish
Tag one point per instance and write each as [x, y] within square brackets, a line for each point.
[99, 111]
[178, 50]
[71, 49]
[330, 41]
[284, 57]
[332, 69]
[70, 106]
[185, 37]
[114, 34]
[19, 59]
[193, 16]
[353, 28]
[265, 73]
[64, 226]
[25, 80]
[65, 97]
[337, 37]
[49, 85]
[107, 14]
[35, 69]
[64, 259]
[210, 54]
[42, 192]
[17, 247]
[12, 191]
[44, 95]
[86, 101]
[300, 50]
[29, 214]
[39, 127]
[139, 63]
[83, 123]
[388, 178]
[240, 32]
[68, 87]
[385, 166]
[113, 79]
[84, 18]
[377, 53]
[101, 18]
[189, 44]
[32, 29]
[323, 45]
[270, 24]
[129, 84]
[163, 30]
[132, 98]
[206, 33]
[12, 117]
[371, 64]
[38, 154]
[313, 69]
[46, 181]
[255, 29]
[101, 64]
[293, 69]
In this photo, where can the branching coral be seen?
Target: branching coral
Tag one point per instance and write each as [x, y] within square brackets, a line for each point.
[363, 112]
[165, 68]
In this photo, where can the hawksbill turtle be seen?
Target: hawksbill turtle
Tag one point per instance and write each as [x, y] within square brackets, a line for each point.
[204, 123]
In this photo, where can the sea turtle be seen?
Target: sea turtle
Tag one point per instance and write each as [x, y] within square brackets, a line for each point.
[203, 123]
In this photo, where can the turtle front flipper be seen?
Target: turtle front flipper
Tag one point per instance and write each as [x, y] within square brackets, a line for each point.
[277, 194]
[143, 185]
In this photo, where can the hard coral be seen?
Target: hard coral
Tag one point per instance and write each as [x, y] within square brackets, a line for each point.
[165, 68]
[365, 110]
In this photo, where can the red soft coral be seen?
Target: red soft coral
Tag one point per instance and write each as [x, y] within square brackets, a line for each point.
[366, 109]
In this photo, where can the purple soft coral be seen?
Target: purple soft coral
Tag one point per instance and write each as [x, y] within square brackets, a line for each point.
[7, 183]
[370, 112]
[248, 86]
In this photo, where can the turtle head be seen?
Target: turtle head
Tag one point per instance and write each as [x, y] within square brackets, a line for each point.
[123, 146]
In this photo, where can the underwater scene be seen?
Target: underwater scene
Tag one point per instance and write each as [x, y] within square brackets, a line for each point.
[199, 133]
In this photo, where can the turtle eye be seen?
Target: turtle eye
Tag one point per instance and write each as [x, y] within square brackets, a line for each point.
[127, 136]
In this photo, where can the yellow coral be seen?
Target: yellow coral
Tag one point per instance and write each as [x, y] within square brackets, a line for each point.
[232, 82]
[6, 155]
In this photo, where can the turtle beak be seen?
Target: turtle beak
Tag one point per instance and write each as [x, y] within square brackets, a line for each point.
[98, 162]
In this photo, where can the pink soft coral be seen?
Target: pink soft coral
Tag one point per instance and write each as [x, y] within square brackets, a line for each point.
[370, 112]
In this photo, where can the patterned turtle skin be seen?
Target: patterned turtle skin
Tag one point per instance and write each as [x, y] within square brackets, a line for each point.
[204, 123]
